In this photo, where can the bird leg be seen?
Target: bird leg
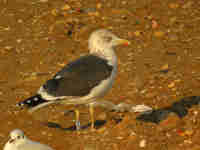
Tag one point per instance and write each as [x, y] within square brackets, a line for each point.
[91, 110]
[77, 123]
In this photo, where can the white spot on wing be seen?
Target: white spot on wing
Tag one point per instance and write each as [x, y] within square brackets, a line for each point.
[58, 77]
[35, 99]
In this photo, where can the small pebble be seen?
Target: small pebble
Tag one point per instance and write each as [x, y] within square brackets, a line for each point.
[154, 24]
[124, 2]
[90, 147]
[119, 137]
[9, 122]
[172, 20]
[137, 33]
[151, 94]
[143, 143]
[177, 80]
[131, 35]
[189, 132]
[54, 12]
[19, 40]
[101, 130]
[159, 33]
[66, 7]
[8, 47]
[173, 37]
[164, 68]
[44, 133]
[90, 10]
[43, 1]
[102, 116]
[171, 85]
[195, 112]
[187, 141]
[94, 13]
[150, 17]
[99, 5]
[7, 29]
[19, 20]
[188, 4]
[173, 5]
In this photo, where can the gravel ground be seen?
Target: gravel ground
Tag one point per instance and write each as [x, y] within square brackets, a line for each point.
[161, 67]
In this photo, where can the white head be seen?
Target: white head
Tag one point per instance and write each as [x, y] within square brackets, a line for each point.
[101, 40]
[16, 135]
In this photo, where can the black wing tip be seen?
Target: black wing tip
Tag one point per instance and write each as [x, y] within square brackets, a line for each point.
[31, 101]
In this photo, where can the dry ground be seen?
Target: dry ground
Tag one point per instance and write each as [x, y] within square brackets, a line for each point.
[161, 66]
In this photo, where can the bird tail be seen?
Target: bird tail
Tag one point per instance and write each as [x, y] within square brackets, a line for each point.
[31, 101]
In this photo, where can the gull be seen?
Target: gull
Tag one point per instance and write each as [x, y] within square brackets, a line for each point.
[18, 141]
[84, 80]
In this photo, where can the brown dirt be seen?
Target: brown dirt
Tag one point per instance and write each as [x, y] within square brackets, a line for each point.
[37, 38]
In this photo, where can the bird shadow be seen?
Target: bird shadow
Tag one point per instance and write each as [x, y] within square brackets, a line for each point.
[180, 108]
[98, 124]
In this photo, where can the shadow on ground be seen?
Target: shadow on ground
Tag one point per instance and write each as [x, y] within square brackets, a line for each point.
[180, 108]
[98, 124]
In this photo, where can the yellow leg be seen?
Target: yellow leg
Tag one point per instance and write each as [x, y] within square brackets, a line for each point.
[91, 109]
[78, 125]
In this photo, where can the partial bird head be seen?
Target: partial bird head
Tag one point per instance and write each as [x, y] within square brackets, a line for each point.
[103, 39]
[16, 135]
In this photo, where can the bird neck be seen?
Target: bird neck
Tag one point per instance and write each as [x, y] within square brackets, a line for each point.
[108, 54]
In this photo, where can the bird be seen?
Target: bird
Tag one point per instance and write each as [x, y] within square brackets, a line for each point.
[18, 141]
[82, 81]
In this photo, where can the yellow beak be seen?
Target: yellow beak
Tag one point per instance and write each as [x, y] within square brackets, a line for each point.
[123, 42]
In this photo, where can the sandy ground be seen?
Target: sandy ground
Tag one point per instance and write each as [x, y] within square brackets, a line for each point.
[159, 68]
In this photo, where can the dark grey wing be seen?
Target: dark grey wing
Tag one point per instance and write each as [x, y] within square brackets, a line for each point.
[79, 77]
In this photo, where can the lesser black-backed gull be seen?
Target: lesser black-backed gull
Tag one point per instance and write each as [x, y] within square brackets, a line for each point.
[85, 79]
[18, 141]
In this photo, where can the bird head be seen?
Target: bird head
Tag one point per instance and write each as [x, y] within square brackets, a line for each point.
[16, 135]
[103, 39]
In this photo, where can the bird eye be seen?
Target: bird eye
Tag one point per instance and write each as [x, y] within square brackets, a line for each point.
[108, 38]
